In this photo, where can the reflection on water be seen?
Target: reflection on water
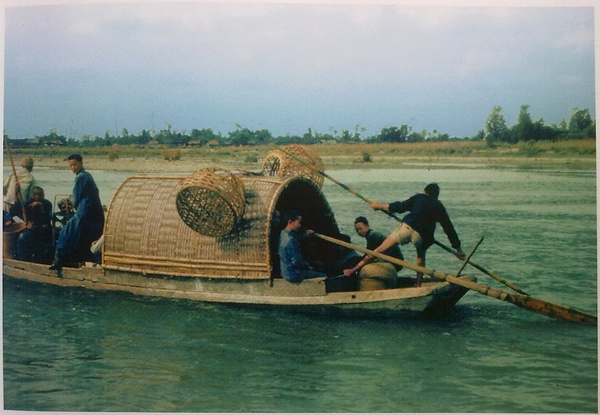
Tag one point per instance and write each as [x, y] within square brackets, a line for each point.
[77, 350]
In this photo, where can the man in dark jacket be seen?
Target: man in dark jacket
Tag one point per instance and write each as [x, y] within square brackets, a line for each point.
[86, 226]
[374, 239]
[35, 242]
[418, 227]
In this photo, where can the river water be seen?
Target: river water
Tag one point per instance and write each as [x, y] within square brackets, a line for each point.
[68, 349]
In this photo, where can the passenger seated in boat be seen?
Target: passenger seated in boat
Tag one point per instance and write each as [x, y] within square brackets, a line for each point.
[8, 220]
[60, 218]
[11, 230]
[374, 239]
[293, 266]
[35, 242]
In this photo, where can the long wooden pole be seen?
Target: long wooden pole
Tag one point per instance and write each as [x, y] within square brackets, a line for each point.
[468, 257]
[524, 301]
[485, 271]
[18, 195]
[354, 192]
[322, 173]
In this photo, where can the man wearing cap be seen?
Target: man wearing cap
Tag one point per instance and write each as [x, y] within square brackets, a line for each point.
[418, 227]
[25, 184]
[87, 224]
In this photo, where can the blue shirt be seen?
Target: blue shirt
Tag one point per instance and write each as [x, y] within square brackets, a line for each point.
[290, 257]
[86, 198]
[88, 222]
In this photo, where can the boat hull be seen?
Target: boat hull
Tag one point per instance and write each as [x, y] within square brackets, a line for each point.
[433, 297]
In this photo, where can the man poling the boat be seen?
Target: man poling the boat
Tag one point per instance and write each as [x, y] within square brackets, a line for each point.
[417, 227]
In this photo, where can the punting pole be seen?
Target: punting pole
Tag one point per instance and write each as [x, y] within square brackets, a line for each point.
[524, 301]
[18, 194]
[485, 271]
[468, 257]
[354, 192]
[322, 173]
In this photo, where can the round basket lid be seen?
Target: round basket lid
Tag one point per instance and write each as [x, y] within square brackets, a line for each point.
[211, 201]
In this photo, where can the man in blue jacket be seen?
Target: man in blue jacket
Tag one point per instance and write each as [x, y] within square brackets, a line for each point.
[418, 227]
[86, 226]
[293, 266]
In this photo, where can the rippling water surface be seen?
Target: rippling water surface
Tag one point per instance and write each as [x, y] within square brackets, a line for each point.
[70, 349]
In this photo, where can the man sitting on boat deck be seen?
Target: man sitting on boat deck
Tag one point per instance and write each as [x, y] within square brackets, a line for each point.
[64, 214]
[293, 266]
[374, 239]
[417, 227]
[35, 242]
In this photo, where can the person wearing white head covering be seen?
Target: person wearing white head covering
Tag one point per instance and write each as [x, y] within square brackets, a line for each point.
[26, 183]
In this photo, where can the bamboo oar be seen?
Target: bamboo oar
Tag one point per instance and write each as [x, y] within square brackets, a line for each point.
[18, 195]
[485, 271]
[466, 261]
[354, 192]
[524, 301]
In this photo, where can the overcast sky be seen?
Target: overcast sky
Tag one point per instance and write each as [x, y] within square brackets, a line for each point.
[87, 68]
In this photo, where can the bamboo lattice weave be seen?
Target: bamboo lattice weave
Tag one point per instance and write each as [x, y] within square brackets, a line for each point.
[277, 163]
[211, 201]
[143, 221]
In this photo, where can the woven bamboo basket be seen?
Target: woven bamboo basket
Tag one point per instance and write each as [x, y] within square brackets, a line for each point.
[211, 201]
[145, 233]
[277, 163]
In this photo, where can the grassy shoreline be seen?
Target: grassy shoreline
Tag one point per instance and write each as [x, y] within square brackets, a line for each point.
[568, 155]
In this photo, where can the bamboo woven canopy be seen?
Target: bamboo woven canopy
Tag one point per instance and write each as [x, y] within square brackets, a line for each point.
[145, 232]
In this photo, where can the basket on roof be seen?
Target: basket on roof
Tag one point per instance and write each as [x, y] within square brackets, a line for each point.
[211, 201]
[278, 163]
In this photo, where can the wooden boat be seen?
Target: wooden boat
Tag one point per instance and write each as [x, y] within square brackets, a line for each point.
[212, 236]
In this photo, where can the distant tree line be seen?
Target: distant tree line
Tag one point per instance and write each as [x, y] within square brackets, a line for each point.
[496, 131]
[580, 126]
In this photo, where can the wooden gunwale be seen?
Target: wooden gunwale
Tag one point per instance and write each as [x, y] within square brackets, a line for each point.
[397, 299]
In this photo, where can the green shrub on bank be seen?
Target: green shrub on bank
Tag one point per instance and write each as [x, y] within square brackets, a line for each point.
[113, 153]
[171, 154]
[529, 149]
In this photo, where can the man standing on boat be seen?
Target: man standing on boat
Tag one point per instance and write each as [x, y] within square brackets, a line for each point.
[418, 226]
[23, 184]
[293, 266]
[87, 224]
